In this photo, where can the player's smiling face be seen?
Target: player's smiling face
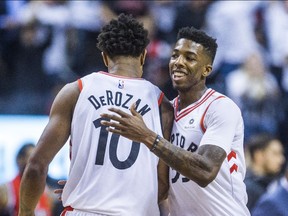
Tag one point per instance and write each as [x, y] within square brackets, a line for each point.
[188, 65]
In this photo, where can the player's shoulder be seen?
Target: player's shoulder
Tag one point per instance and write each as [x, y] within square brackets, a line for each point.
[99, 77]
[223, 101]
[150, 85]
[92, 75]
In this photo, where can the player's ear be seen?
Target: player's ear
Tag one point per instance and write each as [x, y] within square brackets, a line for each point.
[105, 58]
[142, 57]
[207, 70]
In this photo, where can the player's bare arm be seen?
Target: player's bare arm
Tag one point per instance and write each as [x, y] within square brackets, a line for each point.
[163, 169]
[3, 196]
[201, 167]
[51, 141]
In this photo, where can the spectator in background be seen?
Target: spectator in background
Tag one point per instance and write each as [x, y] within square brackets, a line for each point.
[266, 160]
[9, 28]
[86, 22]
[257, 93]
[233, 24]
[191, 13]
[162, 35]
[56, 14]
[9, 199]
[274, 202]
[30, 80]
[139, 9]
[276, 28]
[164, 14]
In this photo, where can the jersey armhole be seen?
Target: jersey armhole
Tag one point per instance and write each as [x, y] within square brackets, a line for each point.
[203, 116]
[160, 99]
[80, 84]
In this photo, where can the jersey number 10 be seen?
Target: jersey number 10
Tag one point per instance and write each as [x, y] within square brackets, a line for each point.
[102, 144]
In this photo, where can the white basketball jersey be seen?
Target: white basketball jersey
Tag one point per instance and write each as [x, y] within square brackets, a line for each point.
[214, 119]
[109, 174]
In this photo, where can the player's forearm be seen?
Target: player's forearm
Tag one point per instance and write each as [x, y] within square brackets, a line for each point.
[32, 186]
[164, 208]
[163, 181]
[3, 196]
[189, 164]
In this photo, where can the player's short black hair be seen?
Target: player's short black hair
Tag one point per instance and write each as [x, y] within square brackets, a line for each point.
[124, 36]
[199, 36]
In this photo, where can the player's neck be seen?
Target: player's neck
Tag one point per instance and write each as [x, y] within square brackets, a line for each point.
[189, 97]
[131, 68]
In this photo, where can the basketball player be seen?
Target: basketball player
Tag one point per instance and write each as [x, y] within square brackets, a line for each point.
[109, 174]
[205, 151]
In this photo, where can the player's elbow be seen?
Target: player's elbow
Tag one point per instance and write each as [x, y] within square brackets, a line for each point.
[205, 180]
[162, 196]
[35, 169]
[203, 184]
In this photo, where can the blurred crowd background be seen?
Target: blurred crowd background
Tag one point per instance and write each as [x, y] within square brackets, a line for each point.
[45, 44]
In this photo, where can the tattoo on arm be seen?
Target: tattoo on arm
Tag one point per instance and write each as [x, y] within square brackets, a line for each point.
[201, 168]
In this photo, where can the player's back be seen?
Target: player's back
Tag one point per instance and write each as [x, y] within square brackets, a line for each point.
[110, 174]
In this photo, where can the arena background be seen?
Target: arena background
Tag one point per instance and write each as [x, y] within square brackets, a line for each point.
[46, 44]
[17, 130]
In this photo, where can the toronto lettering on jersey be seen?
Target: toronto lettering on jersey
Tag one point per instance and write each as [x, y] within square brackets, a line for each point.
[119, 99]
[179, 140]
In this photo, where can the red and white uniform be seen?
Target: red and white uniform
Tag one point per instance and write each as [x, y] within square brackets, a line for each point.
[216, 120]
[109, 174]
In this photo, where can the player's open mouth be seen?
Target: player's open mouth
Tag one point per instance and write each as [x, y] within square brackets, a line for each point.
[178, 74]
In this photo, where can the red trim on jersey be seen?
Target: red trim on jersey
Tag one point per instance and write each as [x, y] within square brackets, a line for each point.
[234, 167]
[190, 109]
[80, 84]
[66, 209]
[202, 118]
[160, 98]
[231, 155]
[124, 77]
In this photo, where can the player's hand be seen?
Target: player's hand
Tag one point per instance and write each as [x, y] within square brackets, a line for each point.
[60, 190]
[130, 126]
